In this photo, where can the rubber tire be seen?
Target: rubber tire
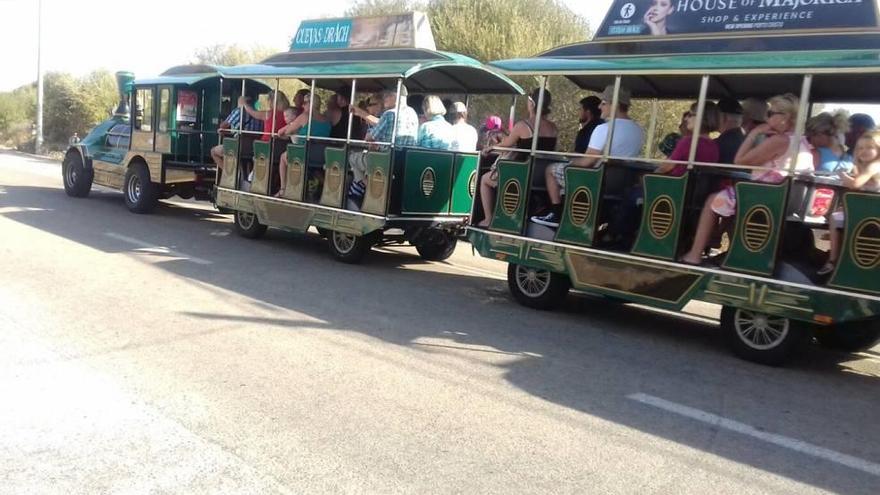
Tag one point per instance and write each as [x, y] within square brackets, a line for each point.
[782, 352]
[437, 251]
[554, 295]
[80, 185]
[250, 229]
[149, 193]
[355, 254]
[851, 337]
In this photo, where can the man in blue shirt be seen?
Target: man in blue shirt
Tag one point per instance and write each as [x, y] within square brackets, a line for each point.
[407, 132]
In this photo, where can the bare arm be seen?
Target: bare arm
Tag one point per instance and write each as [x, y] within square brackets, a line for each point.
[753, 155]
[366, 116]
[257, 114]
[294, 127]
[588, 161]
[859, 181]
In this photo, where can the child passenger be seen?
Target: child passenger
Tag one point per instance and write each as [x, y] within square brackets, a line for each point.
[865, 176]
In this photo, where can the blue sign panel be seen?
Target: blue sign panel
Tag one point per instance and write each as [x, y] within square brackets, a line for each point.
[323, 35]
[725, 17]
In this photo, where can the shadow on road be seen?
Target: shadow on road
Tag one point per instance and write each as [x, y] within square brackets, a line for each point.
[574, 357]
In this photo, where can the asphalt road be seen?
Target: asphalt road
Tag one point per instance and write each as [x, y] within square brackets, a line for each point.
[164, 354]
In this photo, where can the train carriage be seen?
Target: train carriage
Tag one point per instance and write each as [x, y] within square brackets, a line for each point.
[415, 195]
[767, 280]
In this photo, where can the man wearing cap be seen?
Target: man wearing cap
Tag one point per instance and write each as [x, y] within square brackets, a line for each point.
[464, 135]
[627, 142]
[732, 134]
[590, 117]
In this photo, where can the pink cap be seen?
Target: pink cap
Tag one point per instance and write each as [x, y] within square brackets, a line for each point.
[493, 122]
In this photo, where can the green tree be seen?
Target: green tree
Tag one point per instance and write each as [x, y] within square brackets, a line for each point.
[237, 55]
[498, 30]
[221, 54]
[17, 114]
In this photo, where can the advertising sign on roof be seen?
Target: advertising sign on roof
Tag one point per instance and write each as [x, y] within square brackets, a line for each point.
[726, 17]
[400, 31]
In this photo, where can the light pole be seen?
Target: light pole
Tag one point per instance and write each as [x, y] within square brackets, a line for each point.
[38, 144]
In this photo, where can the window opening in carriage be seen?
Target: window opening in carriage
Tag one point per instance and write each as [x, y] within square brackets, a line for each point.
[164, 109]
[144, 110]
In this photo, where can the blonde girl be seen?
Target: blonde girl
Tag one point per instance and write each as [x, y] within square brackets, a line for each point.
[864, 176]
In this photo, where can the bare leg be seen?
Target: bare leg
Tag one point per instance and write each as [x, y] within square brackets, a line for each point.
[836, 241]
[282, 173]
[705, 227]
[487, 197]
[553, 189]
[217, 156]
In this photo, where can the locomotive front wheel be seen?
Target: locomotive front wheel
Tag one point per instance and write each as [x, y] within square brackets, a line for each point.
[77, 180]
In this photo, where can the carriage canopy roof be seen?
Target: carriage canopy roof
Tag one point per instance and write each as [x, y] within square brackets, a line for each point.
[743, 58]
[377, 51]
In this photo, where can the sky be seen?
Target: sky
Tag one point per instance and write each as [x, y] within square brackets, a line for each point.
[78, 35]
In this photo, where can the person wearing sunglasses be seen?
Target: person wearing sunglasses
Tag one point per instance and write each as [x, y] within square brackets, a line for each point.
[766, 147]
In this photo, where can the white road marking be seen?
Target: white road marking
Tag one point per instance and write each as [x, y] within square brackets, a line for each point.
[748, 430]
[146, 247]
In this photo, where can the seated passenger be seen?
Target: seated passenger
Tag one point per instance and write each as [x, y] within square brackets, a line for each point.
[436, 132]
[464, 135]
[772, 153]
[754, 113]
[273, 117]
[520, 137]
[731, 130]
[859, 123]
[865, 176]
[589, 118]
[627, 142]
[624, 223]
[231, 126]
[338, 116]
[491, 134]
[299, 105]
[825, 133]
[381, 132]
[300, 127]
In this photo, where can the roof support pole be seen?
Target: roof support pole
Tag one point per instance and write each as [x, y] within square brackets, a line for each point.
[539, 107]
[803, 114]
[698, 120]
[652, 127]
[615, 98]
[350, 113]
[396, 113]
[241, 117]
[311, 111]
[511, 117]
